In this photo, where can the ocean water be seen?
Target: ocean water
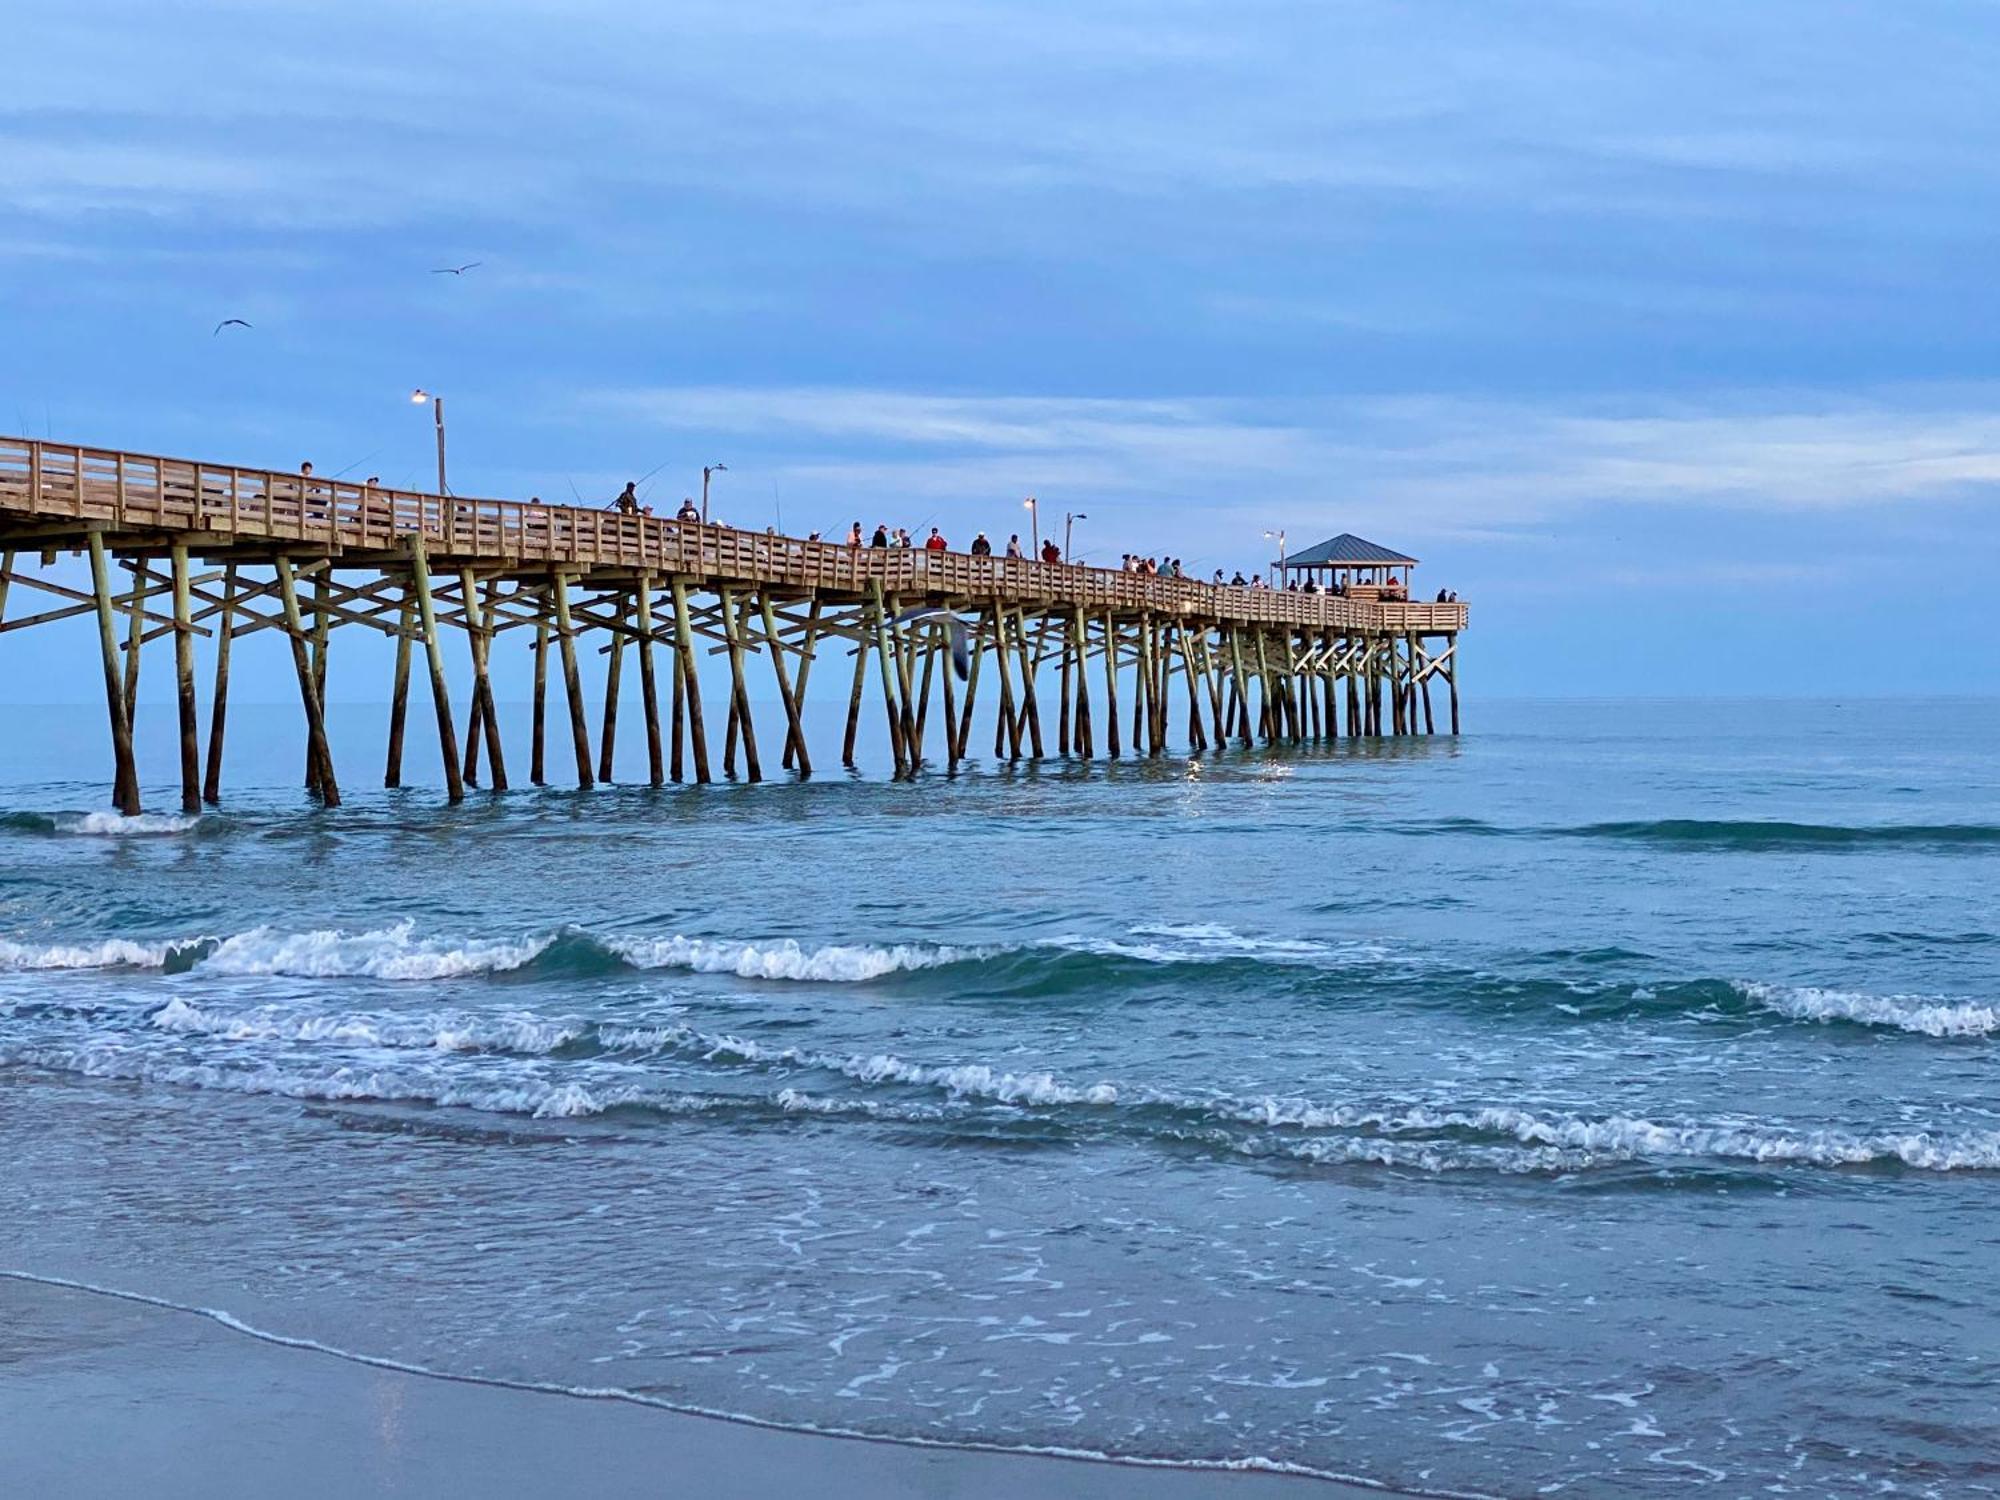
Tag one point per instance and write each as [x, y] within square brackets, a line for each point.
[1600, 1104]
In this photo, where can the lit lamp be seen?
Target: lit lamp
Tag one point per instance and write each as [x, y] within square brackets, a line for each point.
[1034, 510]
[419, 397]
[1280, 535]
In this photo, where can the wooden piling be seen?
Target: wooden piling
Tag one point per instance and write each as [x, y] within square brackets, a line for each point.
[218, 708]
[1007, 731]
[1028, 673]
[954, 750]
[125, 776]
[538, 707]
[977, 631]
[579, 727]
[484, 714]
[420, 579]
[1111, 685]
[732, 627]
[794, 726]
[321, 757]
[184, 682]
[1085, 739]
[649, 691]
[861, 650]
[322, 623]
[884, 654]
[614, 674]
[135, 632]
[689, 680]
[399, 693]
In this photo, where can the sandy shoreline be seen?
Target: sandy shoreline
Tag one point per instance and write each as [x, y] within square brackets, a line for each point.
[103, 1396]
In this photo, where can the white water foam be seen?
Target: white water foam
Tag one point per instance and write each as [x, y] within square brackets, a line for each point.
[119, 824]
[973, 1080]
[445, 1032]
[845, 963]
[1932, 1015]
[1424, 1136]
[111, 953]
[387, 953]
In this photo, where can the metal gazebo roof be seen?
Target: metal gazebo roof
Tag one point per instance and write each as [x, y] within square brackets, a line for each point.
[1348, 551]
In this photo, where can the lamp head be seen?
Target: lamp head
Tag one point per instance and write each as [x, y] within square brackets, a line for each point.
[419, 396]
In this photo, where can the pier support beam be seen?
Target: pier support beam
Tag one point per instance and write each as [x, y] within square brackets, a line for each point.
[614, 674]
[184, 683]
[125, 776]
[689, 682]
[796, 744]
[484, 715]
[579, 729]
[538, 708]
[420, 578]
[884, 654]
[218, 708]
[649, 692]
[319, 756]
[399, 693]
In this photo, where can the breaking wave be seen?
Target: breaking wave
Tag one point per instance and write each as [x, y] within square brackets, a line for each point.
[1929, 1014]
[1554, 988]
[111, 953]
[839, 963]
[397, 952]
[100, 824]
[560, 1068]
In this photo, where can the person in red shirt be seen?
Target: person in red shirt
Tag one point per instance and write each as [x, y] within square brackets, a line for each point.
[935, 541]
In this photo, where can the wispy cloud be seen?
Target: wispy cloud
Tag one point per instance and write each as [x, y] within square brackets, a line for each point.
[1427, 464]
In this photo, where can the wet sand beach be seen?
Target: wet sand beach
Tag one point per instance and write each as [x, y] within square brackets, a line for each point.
[103, 1396]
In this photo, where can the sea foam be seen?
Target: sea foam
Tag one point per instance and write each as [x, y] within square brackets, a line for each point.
[1932, 1015]
[784, 959]
[110, 953]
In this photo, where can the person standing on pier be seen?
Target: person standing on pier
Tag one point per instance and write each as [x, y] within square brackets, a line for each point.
[854, 535]
[881, 537]
[1014, 545]
[935, 542]
[981, 547]
[688, 510]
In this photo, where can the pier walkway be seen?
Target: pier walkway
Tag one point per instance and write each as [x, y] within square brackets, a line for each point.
[301, 555]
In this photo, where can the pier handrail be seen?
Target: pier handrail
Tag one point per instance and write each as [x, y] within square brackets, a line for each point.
[129, 491]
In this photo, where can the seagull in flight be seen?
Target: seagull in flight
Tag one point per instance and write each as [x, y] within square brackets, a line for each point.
[229, 323]
[961, 650]
[456, 270]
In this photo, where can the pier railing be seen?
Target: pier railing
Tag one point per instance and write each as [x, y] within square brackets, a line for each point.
[135, 492]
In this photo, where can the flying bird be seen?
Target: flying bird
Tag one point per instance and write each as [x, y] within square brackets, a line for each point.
[456, 270]
[229, 323]
[961, 649]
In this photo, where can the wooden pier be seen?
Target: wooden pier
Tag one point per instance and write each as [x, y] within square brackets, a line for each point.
[1081, 661]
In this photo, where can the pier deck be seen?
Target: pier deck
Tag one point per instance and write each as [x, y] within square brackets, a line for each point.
[301, 555]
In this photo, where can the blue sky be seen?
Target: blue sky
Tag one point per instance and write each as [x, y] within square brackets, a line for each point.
[1663, 332]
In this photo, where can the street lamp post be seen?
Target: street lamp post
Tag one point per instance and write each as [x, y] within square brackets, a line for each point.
[1034, 527]
[1070, 518]
[419, 397]
[706, 471]
[1280, 535]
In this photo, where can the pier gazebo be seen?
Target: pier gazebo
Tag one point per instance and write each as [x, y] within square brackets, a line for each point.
[1348, 561]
